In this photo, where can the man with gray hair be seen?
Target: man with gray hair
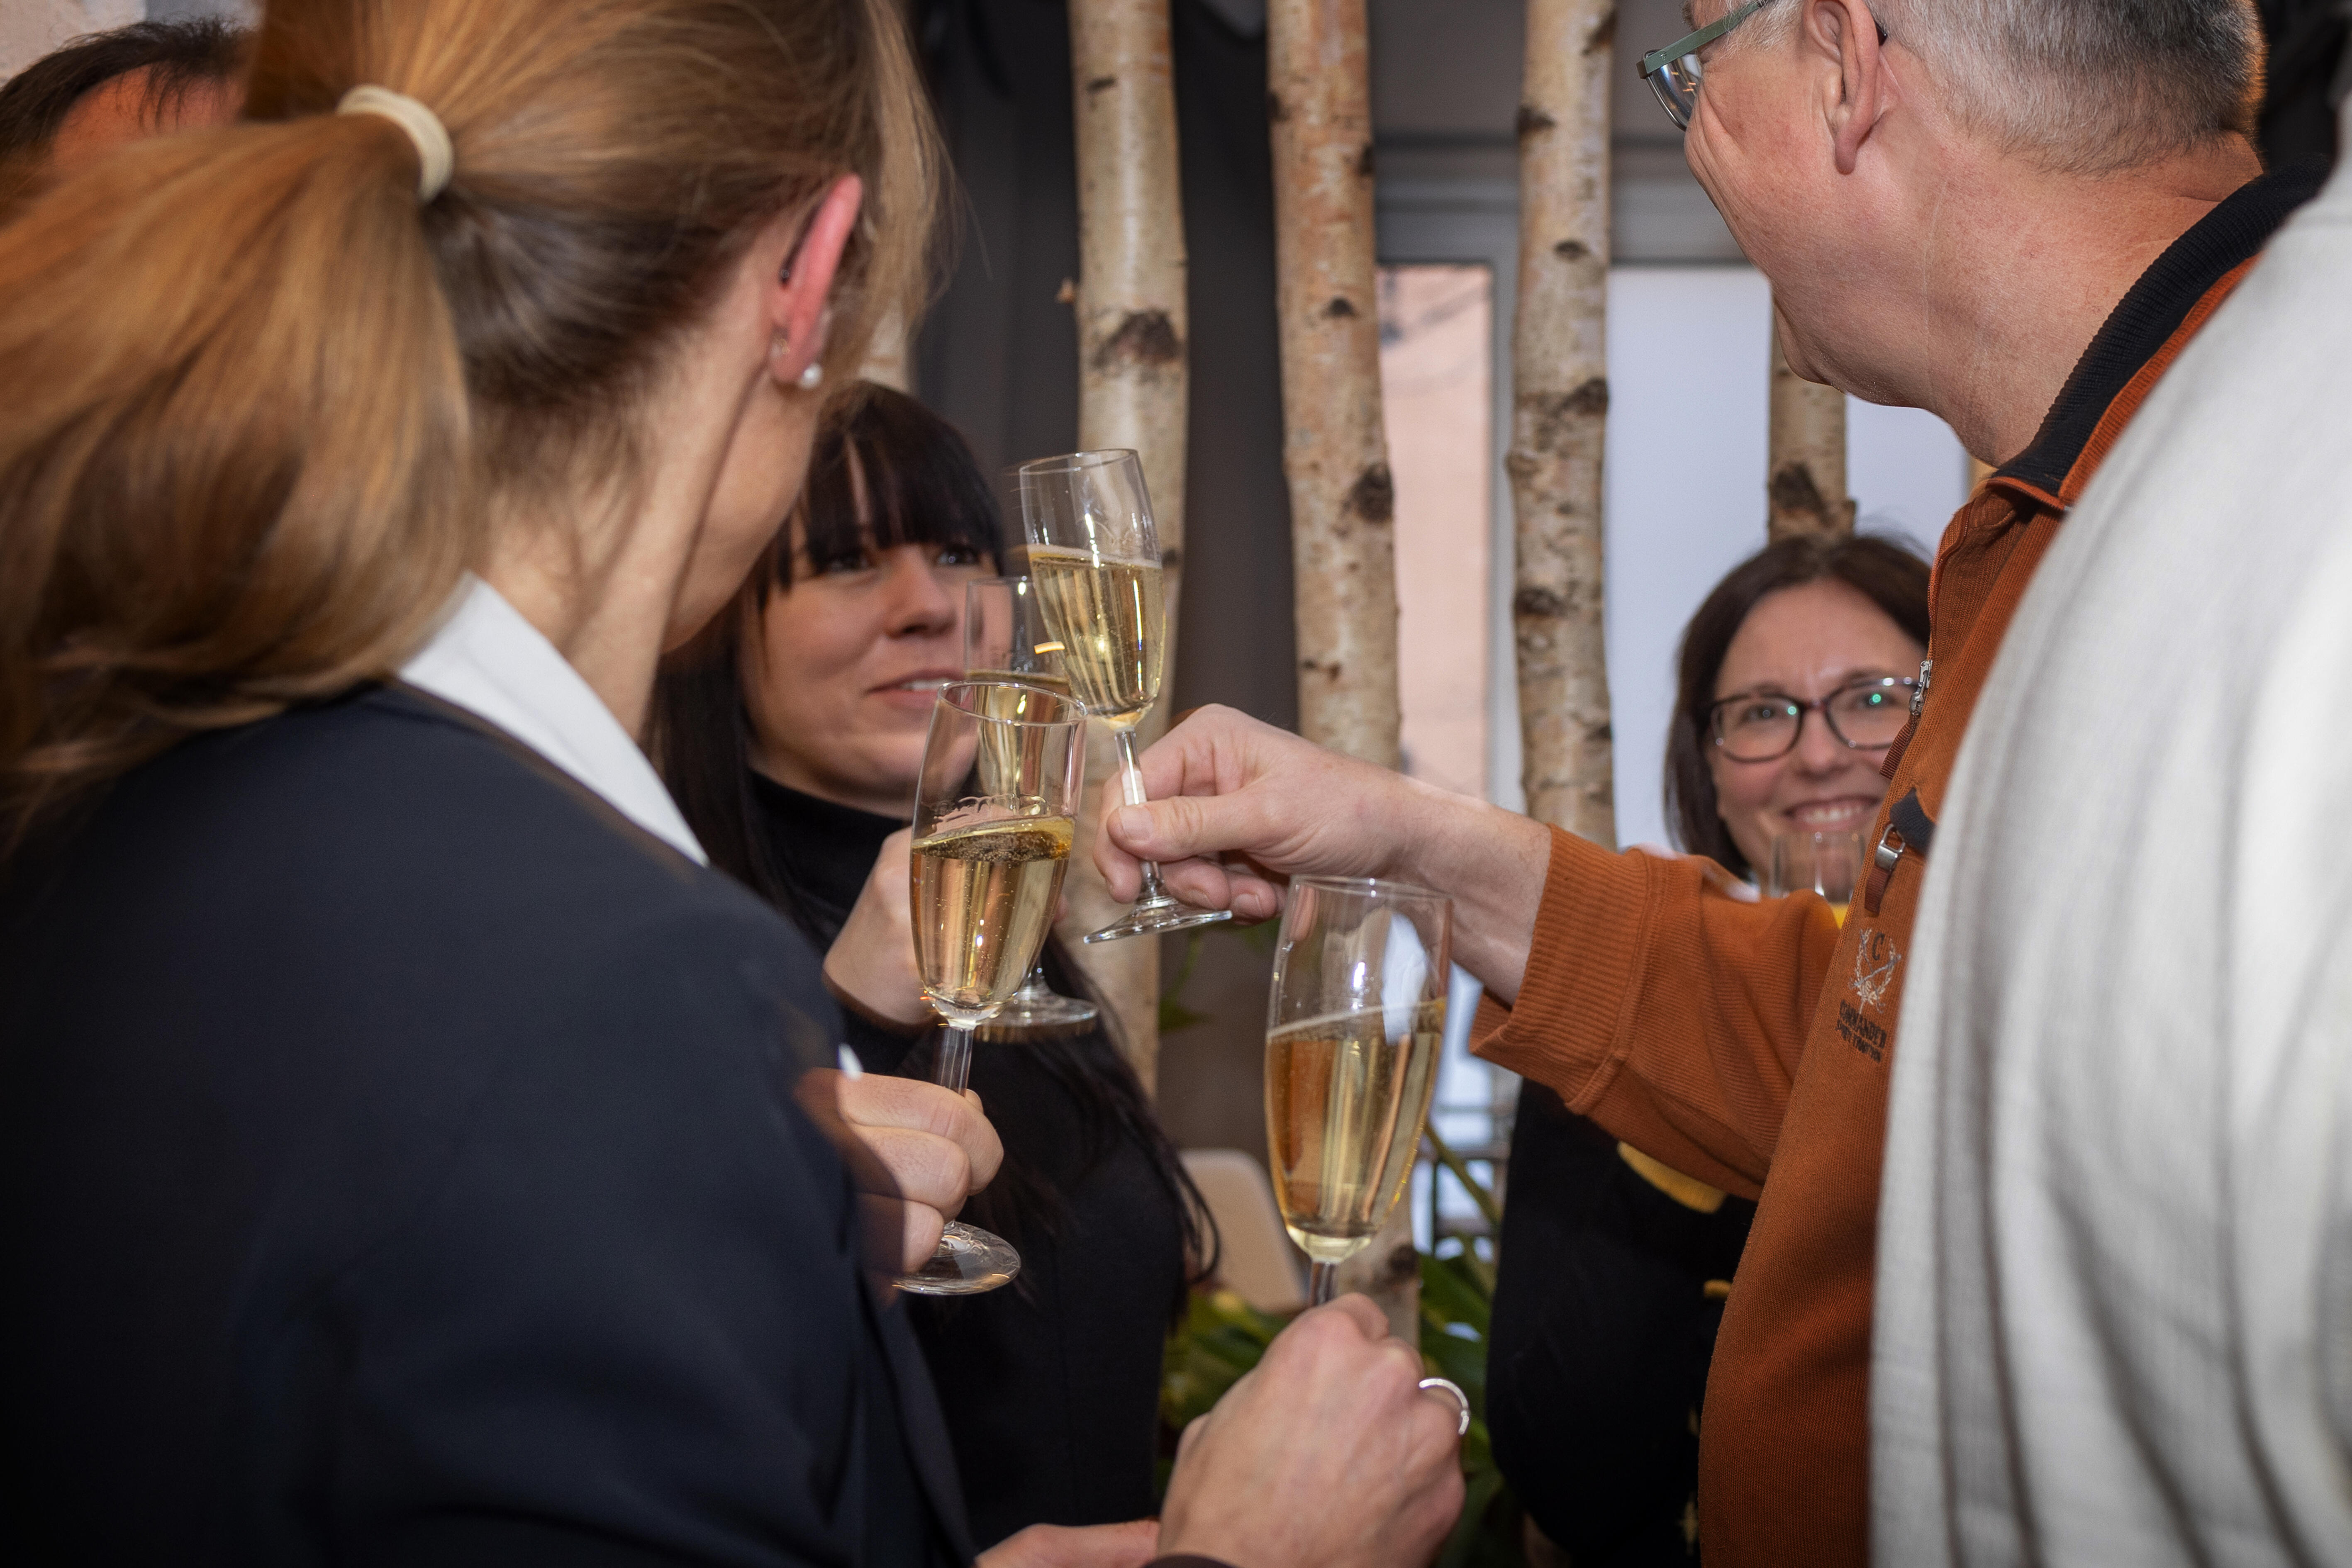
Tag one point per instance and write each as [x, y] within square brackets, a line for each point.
[2013, 214]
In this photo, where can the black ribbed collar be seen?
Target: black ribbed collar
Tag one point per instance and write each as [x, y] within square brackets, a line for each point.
[2144, 319]
[825, 849]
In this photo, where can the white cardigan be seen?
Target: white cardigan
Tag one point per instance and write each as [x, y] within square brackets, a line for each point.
[2115, 1288]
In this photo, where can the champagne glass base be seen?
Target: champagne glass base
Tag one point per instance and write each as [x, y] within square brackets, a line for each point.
[1039, 1010]
[1158, 915]
[969, 1261]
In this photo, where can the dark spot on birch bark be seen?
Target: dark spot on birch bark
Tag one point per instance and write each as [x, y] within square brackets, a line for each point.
[1571, 250]
[1605, 33]
[1373, 496]
[1793, 490]
[1339, 308]
[1314, 668]
[1146, 338]
[1600, 735]
[1538, 604]
[1275, 109]
[1099, 83]
[1555, 412]
[1364, 162]
[1403, 1264]
[1532, 119]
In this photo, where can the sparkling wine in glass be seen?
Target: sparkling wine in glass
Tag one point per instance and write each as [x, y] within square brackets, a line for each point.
[1094, 558]
[1826, 863]
[1353, 1033]
[1005, 639]
[995, 814]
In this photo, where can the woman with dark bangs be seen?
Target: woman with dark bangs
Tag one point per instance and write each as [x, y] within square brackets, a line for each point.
[411, 1151]
[791, 735]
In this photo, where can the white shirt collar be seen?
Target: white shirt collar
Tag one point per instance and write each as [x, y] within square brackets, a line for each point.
[492, 662]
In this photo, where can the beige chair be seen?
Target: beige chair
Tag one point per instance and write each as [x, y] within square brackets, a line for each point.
[1256, 1260]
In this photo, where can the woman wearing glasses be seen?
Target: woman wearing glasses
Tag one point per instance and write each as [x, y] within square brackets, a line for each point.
[1794, 678]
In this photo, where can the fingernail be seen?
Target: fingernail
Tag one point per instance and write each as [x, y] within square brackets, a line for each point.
[1132, 823]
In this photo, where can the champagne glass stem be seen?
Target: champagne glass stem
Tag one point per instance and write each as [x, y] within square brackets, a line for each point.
[1132, 782]
[954, 1069]
[1322, 1281]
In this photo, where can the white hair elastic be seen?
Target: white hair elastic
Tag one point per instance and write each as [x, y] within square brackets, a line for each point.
[435, 151]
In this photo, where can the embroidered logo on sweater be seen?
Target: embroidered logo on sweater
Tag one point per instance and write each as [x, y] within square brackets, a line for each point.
[1874, 975]
[1874, 968]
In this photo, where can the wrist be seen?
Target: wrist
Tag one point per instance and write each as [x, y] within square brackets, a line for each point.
[1492, 864]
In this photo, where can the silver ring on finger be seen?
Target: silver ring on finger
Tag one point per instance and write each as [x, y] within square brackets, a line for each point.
[1447, 1385]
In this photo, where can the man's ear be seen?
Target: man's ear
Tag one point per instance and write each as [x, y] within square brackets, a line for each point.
[1844, 33]
[803, 285]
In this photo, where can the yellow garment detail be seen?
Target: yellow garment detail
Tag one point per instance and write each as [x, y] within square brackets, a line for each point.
[1688, 1191]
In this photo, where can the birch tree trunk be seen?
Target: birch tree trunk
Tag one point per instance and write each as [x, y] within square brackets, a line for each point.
[1342, 499]
[1132, 338]
[1806, 493]
[1559, 408]
[1333, 453]
[886, 356]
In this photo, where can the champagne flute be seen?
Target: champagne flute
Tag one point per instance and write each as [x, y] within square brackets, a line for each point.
[1005, 639]
[995, 814]
[1826, 863]
[1094, 558]
[1353, 1032]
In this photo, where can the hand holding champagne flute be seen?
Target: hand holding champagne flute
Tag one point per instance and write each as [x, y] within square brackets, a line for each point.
[1354, 1027]
[995, 811]
[1094, 558]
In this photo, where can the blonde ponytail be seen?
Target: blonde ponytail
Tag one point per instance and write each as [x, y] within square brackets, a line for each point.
[237, 478]
[262, 400]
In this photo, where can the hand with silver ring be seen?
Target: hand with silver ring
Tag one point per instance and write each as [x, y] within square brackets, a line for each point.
[1453, 1388]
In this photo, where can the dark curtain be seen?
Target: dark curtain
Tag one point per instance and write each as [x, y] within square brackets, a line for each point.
[998, 354]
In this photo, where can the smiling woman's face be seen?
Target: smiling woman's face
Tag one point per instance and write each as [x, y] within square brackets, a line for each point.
[1805, 643]
[840, 670]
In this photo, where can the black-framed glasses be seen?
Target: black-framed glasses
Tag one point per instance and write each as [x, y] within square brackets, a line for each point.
[1764, 726]
[1674, 71]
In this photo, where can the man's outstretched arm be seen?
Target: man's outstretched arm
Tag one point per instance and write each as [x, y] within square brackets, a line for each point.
[1237, 806]
[1651, 1001]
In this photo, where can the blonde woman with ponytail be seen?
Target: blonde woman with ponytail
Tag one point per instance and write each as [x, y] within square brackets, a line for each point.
[410, 1151]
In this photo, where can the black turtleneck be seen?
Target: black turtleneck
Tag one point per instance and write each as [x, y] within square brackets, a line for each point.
[824, 850]
[1050, 1387]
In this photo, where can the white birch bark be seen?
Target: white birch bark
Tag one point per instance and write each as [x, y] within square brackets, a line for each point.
[1559, 406]
[1805, 489]
[1132, 386]
[886, 357]
[1342, 499]
[1335, 455]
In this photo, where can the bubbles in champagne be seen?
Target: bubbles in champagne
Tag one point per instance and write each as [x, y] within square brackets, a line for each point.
[1346, 1098]
[984, 897]
[1110, 620]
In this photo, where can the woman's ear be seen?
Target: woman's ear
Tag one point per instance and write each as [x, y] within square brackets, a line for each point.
[798, 308]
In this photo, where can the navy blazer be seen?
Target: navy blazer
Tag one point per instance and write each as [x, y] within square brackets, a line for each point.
[398, 1164]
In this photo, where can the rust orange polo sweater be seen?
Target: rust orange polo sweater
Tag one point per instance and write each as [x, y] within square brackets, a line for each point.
[1748, 1044]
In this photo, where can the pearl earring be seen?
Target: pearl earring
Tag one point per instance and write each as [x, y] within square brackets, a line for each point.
[813, 377]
